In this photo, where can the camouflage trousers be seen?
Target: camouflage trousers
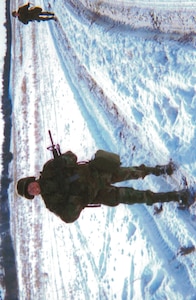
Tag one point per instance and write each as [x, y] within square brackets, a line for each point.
[111, 195]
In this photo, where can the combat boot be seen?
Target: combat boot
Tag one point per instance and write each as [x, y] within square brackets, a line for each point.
[166, 169]
[187, 197]
[158, 170]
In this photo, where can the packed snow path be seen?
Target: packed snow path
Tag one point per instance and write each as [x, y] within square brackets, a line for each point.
[99, 84]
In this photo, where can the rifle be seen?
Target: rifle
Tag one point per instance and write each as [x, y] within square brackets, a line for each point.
[55, 148]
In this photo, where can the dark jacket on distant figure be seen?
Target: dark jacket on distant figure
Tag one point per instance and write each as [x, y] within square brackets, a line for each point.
[26, 14]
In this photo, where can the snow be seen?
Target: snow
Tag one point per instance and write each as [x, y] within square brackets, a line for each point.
[99, 82]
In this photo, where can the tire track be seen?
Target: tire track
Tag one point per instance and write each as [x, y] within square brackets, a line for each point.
[164, 251]
[161, 17]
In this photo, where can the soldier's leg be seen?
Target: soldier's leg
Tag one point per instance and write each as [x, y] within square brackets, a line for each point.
[47, 13]
[108, 196]
[45, 18]
[176, 196]
[112, 196]
[127, 173]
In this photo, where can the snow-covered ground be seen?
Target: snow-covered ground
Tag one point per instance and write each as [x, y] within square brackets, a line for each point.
[99, 82]
[164, 16]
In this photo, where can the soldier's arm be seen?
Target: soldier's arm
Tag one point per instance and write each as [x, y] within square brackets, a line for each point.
[70, 213]
[69, 158]
[67, 211]
[72, 209]
[25, 22]
[23, 8]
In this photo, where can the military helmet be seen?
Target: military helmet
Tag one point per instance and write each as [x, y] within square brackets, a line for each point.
[22, 186]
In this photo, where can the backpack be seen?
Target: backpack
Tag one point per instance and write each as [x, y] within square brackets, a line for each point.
[105, 161]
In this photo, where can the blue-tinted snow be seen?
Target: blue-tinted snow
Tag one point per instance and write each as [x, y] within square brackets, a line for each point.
[100, 83]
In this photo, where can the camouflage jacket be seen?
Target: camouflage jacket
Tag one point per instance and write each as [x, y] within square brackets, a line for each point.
[67, 186]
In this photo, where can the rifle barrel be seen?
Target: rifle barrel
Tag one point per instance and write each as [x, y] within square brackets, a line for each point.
[51, 137]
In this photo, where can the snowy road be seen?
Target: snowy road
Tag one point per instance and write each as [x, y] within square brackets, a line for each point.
[99, 84]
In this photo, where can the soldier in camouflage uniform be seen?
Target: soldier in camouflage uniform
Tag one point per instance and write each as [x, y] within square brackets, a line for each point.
[67, 187]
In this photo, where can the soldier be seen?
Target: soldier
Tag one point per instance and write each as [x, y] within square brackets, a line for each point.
[68, 186]
[26, 15]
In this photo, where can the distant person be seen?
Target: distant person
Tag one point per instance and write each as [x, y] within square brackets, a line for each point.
[26, 14]
[68, 186]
